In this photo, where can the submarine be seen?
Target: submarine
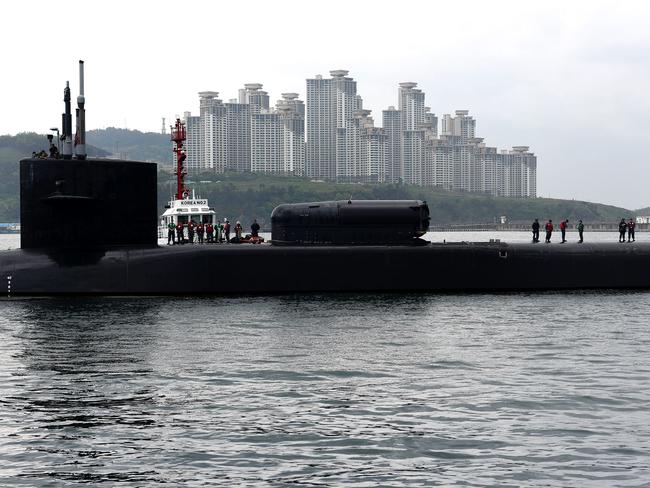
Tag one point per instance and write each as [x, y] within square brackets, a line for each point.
[89, 227]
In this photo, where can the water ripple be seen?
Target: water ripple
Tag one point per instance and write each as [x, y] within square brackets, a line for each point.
[529, 389]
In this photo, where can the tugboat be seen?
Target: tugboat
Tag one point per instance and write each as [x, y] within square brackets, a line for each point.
[183, 209]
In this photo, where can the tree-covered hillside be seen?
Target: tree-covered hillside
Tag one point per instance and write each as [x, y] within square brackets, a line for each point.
[133, 144]
[246, 196]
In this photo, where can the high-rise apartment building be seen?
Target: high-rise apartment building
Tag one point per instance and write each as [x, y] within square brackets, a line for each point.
[361, 150]
[412, 110]
[431, 121]
[428, 170]
[334, 138]
[462, 125]
[320, 137]
[454, 158]
[441, 160]
[245, 134]
[212, 127]
[373, 154]
[518, 173]
[392, 123]
[292, 117]
[411, 104]
[266, 142]
[278, 138]
[331, 104]
[253, 95]
[291, 100]
[412, 156]
[192, 143]
[238, 136]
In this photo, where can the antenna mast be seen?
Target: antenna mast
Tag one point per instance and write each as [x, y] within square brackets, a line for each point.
[178, 137]
[67, 124]
[80, 137]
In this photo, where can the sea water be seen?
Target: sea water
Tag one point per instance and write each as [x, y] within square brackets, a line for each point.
[511, 389]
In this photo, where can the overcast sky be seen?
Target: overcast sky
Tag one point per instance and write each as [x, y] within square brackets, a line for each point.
[569, 79]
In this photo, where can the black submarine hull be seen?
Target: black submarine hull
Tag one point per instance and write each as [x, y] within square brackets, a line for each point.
[88, 227]
[265, 269]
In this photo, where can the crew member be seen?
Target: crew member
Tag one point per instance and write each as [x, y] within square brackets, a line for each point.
[179, 233]
[54, 151]
[190, 231]
[536, 231]
[200, 232]
[549, 230]
[209, 230]
[581, 228]
[630, 230]
[218, 229]
[563, 226]
[622, 227]
[226, 230]
[171, 228]
[255, 228]
[238, 230]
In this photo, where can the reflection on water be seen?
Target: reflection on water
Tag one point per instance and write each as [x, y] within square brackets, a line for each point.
[329, 390]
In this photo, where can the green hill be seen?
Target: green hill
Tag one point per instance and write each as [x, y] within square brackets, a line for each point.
[246, 196]
[133, 144]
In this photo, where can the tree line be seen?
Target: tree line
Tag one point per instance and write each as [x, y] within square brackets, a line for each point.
[246, 196]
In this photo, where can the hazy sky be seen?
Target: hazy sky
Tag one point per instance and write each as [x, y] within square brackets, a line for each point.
[569, 79]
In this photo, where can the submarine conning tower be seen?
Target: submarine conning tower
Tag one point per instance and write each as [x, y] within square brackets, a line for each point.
[81, 204]
[350, 222]
[87, 203]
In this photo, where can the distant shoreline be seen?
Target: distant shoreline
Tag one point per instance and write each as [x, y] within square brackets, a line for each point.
[589, 227]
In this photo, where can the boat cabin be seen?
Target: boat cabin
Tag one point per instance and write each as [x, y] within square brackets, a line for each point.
[185, 210]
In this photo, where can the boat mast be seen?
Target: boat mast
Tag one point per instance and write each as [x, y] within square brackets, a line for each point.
[178, 137]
